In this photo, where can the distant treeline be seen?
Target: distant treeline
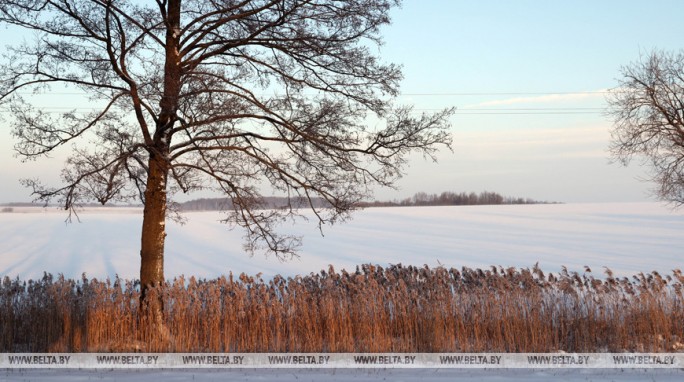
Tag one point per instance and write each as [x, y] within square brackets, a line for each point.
[419, 199]
[454, 199]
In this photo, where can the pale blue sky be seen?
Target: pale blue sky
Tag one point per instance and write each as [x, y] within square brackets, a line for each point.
[490, 47]
[467, 54]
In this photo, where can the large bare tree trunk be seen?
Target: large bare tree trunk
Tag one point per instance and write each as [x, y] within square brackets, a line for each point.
[154, 219]
[153, 236]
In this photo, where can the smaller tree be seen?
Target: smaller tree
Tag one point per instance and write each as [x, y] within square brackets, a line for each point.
[648, 113]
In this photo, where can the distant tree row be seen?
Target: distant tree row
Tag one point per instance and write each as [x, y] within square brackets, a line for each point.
[449, 198]
[420, 199]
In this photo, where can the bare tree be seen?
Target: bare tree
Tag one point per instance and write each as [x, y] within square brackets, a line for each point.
[227, 95]
[648, 111]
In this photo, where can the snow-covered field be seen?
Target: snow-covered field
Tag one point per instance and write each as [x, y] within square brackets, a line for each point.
[628, 238]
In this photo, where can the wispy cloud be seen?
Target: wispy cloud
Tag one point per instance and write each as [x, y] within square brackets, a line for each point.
[544, 98]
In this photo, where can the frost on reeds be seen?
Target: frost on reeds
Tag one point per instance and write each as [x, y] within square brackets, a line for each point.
[373, 309]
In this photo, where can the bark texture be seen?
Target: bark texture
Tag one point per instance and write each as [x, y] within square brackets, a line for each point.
[154, 227]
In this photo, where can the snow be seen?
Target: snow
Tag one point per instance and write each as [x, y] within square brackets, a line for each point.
[287, 375]
[627, 238]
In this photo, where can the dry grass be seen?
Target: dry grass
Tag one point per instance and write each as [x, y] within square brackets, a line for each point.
[375, 309]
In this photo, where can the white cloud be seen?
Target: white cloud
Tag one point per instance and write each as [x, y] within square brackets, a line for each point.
[546, 98]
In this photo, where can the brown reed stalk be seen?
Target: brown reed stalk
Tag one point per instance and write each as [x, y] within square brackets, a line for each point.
[374, 309]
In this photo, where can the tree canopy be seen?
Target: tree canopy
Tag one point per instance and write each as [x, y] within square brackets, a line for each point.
[235, 96]
[648, 112]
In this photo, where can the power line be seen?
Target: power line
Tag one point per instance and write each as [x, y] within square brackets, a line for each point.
[518, 109]
[532, 113]
[511, 112]
[448, 94]
[504, 93]
[459, 111]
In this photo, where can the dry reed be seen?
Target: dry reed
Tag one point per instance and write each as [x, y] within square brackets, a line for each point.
[374, 309]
